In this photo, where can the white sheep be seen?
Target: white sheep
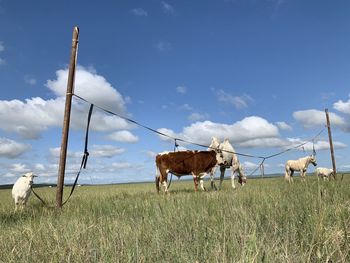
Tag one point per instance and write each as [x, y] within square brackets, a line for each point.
[21, 190]
[326, 173]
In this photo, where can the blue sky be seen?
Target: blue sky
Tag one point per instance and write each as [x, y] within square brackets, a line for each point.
[259, 72]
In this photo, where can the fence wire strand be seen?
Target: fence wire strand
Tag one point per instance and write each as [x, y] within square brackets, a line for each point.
[176, 139]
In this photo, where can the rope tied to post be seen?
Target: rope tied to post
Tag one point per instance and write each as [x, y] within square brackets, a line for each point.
[85, 155]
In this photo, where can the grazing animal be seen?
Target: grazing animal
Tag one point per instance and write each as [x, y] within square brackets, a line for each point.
[298, 165]
[21, 190]
[195, 163]
[230, 160]
[325, 173]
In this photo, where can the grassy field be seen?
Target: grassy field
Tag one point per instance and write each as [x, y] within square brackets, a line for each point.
[265, 221]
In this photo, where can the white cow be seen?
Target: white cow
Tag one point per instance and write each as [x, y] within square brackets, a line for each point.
[325, 173]
[230, 160]
[298, 165]
[21, 190]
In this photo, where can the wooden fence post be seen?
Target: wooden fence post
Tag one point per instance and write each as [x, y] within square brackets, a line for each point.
[66, 118]
[331, 144]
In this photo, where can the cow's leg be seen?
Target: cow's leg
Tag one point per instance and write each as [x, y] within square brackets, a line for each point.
[233, 177]
[287, 174]
[195, 180]
[157, 180]
[165, 185]
[302, 175]
[291, 176]
[157, 183]
[201, 182]
[222, 175]
[162, 178]
[212, 178]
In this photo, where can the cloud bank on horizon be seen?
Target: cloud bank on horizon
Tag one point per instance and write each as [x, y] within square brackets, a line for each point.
[30, 118]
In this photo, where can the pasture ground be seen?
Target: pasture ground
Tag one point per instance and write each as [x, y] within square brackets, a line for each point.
[265, 221]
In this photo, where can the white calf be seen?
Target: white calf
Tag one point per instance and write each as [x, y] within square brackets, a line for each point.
[325, 173]
[299, 165]
[21, 190]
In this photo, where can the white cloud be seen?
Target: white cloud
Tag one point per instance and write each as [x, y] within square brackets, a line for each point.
[91, 86]
[55, 152]
[31, 117]
[345, 166]
[12, 149]
[314, 118]
[139, 12]
[167, 132]
[239, 102]
[39, 167]
[251, 132]
[29, 80]
[19, 168]
[123, 136]
[342, 106]
[250, 128]
[150, 154]
[278, 4]
[284, 126]
[263, 142]
[186, 107]
[105, 151]
[250, 166]
[197, 117]
[181, 89]
[167, 7]
[122, 165]
[2, 48]
[163, 46]
[9, 175]
[318, 145]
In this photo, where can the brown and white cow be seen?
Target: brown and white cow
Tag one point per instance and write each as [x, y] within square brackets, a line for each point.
[195, 163]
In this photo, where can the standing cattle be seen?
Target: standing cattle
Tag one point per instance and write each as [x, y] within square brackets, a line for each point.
[325, 173]
[21, 190]
[230, 160]
[195, 163]
[298, 165]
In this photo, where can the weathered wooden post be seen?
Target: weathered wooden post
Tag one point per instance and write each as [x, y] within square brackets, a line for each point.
[66, 118]
[331, 143]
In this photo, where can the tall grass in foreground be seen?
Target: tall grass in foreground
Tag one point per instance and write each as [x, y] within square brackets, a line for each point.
[265, 221]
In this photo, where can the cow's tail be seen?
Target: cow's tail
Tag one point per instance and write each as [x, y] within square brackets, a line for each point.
[157, 178]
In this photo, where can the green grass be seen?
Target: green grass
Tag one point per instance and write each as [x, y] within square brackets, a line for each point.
[265, 221]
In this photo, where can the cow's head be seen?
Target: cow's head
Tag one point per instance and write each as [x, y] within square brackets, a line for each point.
[312, 160]
[30, 176]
